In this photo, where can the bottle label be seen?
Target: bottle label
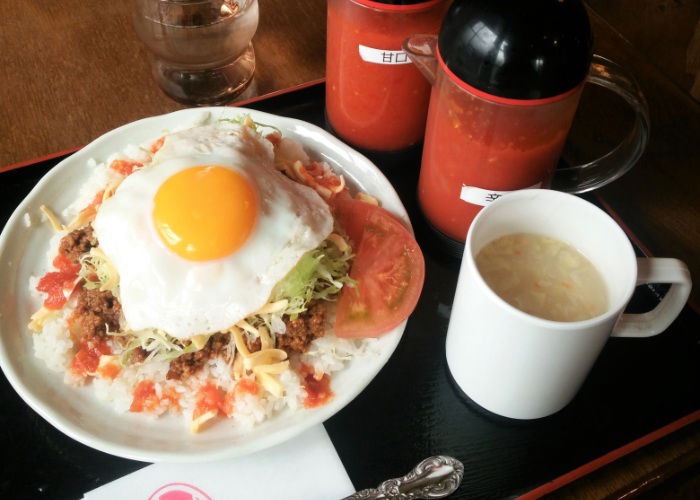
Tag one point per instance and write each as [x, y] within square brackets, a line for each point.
[381, 56]
[479, 196]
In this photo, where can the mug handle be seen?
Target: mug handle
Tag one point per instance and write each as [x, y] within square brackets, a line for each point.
[597, 173]
[656, 270]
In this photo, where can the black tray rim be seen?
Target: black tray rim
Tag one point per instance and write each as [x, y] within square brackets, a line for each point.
[562, 480]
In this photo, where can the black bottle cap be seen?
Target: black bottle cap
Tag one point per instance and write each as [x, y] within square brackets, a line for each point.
[517, 49]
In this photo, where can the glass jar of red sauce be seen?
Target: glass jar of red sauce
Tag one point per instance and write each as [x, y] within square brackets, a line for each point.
[507, 77]
[375, 97]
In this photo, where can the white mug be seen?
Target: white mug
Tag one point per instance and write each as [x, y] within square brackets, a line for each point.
[525, 367]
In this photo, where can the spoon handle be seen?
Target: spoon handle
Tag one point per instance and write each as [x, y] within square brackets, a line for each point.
[434, 477]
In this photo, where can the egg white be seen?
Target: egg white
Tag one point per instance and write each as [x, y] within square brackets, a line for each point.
[160, 289]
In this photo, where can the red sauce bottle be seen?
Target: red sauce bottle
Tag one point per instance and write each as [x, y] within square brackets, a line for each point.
[479, 147]
[507, 82]
[375, 98]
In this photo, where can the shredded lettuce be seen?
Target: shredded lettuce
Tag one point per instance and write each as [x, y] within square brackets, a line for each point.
[160, 345]
[245, 119]
[97, 271]
[319, 275]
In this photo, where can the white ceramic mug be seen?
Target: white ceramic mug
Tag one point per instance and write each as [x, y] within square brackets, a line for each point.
[521, 366]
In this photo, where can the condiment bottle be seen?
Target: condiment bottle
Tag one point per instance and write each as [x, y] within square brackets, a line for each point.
[375, 98]
[507, 77]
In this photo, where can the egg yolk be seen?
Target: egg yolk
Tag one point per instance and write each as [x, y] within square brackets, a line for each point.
[205, 212]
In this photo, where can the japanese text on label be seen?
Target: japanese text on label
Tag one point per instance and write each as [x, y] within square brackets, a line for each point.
[381, 56]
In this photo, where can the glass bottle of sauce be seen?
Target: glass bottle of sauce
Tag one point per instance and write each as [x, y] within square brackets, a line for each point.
[375, 98]
[508, 81]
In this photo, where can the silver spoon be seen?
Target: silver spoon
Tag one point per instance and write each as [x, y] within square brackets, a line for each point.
[434, 477]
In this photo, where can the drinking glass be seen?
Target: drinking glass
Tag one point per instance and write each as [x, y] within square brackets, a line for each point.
[200, 50]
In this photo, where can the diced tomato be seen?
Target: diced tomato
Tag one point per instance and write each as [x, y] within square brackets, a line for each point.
[229, 405]
[109, 370]
[64, 264]
[388, 267]
[274, 138]
[157, 145]
[53, 284]
[318, 391]
[125, 167]
[315, 169]
[145, 397]
[209, 398]
[315, 175]
[87, 359]
[329, 182]
[91, 209]
[171, 397]
[247, 385]
[244, 386]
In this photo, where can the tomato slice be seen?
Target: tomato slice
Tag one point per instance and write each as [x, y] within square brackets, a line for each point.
[388, 266]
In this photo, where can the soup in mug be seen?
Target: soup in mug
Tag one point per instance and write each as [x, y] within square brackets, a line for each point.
[543, 276]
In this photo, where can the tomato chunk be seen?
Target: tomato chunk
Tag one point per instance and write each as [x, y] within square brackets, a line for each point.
[244, 386]
[388, 267]
[145, 397]
[125, 167]
[64, 264]
[110, 370]
[55, 282]
[157, 145]
[87, 359]
[209, 398]
[318, 391]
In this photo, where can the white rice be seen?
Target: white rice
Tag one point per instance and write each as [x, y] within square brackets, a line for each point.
[53, 345]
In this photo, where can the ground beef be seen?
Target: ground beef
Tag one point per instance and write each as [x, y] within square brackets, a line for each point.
[138, 355]
[253, 345]
[77, 243]
[300, 332]
[95, 312]
[188, 364]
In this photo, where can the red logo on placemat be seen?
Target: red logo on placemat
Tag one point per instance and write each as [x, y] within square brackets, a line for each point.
[179, 491]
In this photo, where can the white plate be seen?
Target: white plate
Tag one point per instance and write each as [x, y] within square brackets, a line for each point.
[76, 411]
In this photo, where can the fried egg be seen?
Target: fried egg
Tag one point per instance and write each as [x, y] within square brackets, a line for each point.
[201, 235]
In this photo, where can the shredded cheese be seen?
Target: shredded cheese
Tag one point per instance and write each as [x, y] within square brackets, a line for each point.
[244, 325]
[264, 357]
[103, 267]
[111, 188]
[55, 224]
[81, 219]
[197, 424]
[270, 384]
[36, 323]
[273, 307]
[265, 363]
[340, 242]
[340, 186]
[367, 198]
[199, 341]
[266, 342]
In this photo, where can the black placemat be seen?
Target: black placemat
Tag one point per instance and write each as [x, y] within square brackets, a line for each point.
[411, 410]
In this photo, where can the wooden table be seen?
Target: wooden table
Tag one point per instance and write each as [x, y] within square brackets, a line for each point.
[74, 70]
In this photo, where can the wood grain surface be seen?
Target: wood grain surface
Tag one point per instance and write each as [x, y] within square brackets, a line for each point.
[72, 70]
